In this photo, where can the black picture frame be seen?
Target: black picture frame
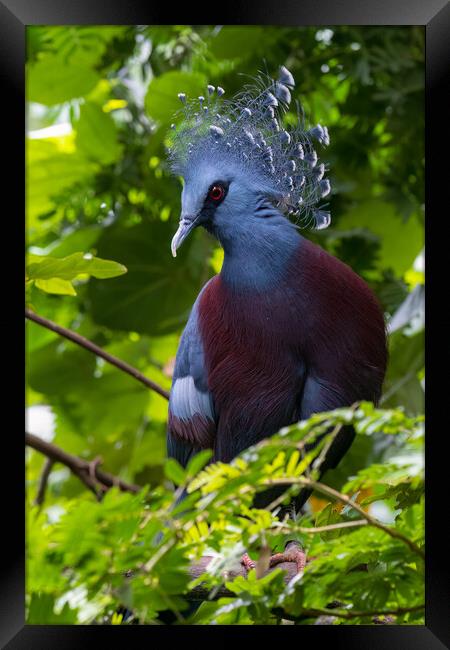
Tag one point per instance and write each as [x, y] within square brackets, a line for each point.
[15, 16]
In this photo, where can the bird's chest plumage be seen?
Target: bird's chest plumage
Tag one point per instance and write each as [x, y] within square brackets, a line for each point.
[251, 356]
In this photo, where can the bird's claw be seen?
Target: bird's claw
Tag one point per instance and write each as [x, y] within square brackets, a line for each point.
[292, 553]
[247, 562]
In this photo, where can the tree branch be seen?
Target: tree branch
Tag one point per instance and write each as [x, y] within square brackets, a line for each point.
[92, 347]
[89, 473]
[328, 491]
[348, 614]
[201, 592]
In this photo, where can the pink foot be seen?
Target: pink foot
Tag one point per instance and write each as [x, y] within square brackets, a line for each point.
[292, 553]
[247, 562]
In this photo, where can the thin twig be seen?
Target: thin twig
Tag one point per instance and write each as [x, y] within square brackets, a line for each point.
[148, 566]
[321, 529]
[342, 613]
[317, 464]
[40, 496]
[330, 439]
[325, 489]
[93, 477]
[276, 502]
[92, 347]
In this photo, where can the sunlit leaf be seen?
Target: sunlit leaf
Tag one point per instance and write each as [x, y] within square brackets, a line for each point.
[68, 268]
[161, 100]
[56, 285]
[51, 82]
[97, 135]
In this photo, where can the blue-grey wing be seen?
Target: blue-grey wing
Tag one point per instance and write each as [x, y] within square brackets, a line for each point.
[319, 395]
[192, 420]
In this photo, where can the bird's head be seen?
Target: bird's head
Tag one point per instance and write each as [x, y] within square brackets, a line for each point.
[235, 157]
[216, 194]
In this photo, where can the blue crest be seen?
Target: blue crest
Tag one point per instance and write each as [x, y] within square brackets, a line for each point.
[248, 130]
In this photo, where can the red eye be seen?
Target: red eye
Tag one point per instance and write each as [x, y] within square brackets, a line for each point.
[216, 193]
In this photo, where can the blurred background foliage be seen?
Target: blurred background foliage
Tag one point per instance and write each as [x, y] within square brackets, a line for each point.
[102, 208]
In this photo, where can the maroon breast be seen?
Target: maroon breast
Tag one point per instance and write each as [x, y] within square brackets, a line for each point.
[321, 319]
[252, 362]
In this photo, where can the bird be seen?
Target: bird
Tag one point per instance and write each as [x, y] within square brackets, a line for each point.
[285, 329]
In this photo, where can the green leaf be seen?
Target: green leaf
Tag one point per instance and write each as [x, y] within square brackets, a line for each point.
[197, 462]
[56, 285]
[57, 368]
[382, 219]
[328, 516]
[127, 401]
[81, 239]
[174, 471]
[402, 386]
[70, 267]
[239, 42]
[53, 166]
[157, 293]
[97, 135]
[161, 100]
[41, 610]
[49, 81]
[75, 43]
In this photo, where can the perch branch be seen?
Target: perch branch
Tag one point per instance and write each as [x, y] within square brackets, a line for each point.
[201, 592]
[92, 347]
[89, 473]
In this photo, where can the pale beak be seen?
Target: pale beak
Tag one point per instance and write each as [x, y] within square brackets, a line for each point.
[185, 227]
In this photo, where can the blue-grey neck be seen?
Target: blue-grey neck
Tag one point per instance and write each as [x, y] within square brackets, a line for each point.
[257, 247]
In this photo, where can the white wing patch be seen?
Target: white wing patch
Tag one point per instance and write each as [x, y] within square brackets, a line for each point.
[186, 400]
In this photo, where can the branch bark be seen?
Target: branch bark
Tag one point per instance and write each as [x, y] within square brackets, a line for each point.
[92, 347]
[95, 479]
